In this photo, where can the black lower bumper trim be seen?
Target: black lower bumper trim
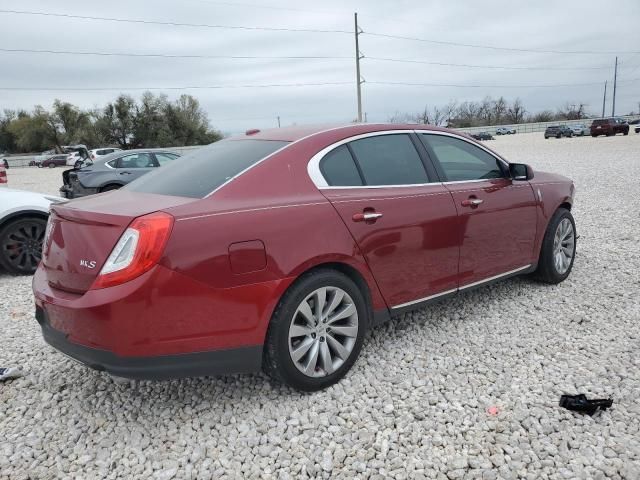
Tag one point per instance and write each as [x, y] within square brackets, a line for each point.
[164, 367]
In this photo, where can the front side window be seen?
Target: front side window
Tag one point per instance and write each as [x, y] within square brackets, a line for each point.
[136, 160]
[389, 160]
[461, 160]
[199, 173]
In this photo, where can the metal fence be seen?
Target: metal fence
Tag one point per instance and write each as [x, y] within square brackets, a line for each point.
[17, 161]
[538, 127]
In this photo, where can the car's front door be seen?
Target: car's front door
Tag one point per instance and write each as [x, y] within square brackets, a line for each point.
[497, 216]
[403, 223]
[134, 165]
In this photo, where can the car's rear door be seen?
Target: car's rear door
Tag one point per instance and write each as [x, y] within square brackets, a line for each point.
[497, 216]
[134, 165]
[402, 218]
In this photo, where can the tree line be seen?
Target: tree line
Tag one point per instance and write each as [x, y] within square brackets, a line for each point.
[151, 121]
[488, 111]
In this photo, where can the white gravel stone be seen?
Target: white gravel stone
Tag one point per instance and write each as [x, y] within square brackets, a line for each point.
[415, 404]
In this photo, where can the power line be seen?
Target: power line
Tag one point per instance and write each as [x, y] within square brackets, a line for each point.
[169, 55]
[173, 24]
[488, 86]
[191, 87]
[492, 47]
[466, 65]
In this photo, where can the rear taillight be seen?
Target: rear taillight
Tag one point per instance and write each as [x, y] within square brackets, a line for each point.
[138, 249]
[3, 176]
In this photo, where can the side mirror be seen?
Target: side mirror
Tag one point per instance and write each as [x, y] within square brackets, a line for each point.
[520, 171]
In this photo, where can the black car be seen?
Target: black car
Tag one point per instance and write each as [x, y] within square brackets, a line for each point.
[111, 171]
[482, 136]
[558, 131]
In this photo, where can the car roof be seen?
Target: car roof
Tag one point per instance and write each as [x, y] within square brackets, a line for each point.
[122, 153]
[292, 134]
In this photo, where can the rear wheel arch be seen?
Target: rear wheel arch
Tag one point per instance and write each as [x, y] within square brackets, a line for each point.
[23, 215]
[110, 186]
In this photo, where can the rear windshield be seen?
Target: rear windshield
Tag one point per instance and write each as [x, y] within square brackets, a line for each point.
[201, 172]
[600, 122]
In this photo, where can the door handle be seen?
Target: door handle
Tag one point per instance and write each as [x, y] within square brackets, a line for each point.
[125, 173]
[472, 202]
[368, 217]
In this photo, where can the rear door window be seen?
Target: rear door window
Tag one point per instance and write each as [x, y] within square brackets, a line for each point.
[164, 158]
[389, 160]
[199, 173]
[461, 160]
[136, 160]
[339, 169]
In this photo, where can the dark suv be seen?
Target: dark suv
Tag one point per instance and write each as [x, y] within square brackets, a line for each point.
[558, 131]
[609, 126]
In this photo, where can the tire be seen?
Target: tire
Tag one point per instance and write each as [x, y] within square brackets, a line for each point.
[594, 136]
[52, 165]
[21, 245]
[280, 346]
[626, 133]
[111, 186]
[549, 269]
[559, 135]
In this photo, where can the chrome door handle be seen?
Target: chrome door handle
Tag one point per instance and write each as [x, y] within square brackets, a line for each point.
[366, 217]
[472, 202]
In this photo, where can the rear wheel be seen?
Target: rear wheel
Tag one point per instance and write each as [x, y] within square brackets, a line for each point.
[21, 245]
[558, 248]
[108, 188]
[316, 332]
[52, 165]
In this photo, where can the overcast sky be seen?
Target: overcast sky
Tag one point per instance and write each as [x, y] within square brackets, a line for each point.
[541, 25]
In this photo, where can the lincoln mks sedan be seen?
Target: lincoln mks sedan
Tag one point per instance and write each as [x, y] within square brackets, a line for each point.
[279, 249]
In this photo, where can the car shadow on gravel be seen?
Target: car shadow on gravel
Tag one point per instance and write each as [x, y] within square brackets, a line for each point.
[250, 388]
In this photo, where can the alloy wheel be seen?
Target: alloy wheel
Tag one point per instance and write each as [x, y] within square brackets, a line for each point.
[323, 331]
[564, 245]
[22, 245]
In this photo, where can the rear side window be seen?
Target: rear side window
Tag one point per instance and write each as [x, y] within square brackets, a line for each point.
[164, 158]
[339, 169]
[461, 160]
[389, 160]
[201, 172]
[136, 160]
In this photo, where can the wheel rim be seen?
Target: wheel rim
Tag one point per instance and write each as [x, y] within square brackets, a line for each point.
[22, 246]
[323, 332]
[564, 246]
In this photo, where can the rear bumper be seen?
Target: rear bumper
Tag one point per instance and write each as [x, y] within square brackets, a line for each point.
[76, 191]
[217, 362]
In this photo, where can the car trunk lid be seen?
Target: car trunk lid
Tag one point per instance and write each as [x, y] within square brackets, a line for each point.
[83, 233]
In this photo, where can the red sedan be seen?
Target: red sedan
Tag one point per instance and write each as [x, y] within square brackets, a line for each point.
[280, 249]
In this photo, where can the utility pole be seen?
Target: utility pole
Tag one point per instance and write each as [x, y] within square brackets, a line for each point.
[604, 98]
[278, 121]
[358, 57]
[615, 80]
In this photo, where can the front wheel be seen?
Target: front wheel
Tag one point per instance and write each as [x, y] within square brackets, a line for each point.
[316, 332]
[558, 248]
[52, 165]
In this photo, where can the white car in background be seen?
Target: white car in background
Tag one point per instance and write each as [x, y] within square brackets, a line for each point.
[580, 129]
[99, 152]
[505, 131]
[23, 222]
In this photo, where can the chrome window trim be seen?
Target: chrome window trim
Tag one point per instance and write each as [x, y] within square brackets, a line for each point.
[313, 167]
[464, 287]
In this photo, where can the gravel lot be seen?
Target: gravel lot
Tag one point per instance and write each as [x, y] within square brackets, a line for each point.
[415, 404]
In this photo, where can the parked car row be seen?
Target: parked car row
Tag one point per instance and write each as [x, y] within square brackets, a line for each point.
[601, 126]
